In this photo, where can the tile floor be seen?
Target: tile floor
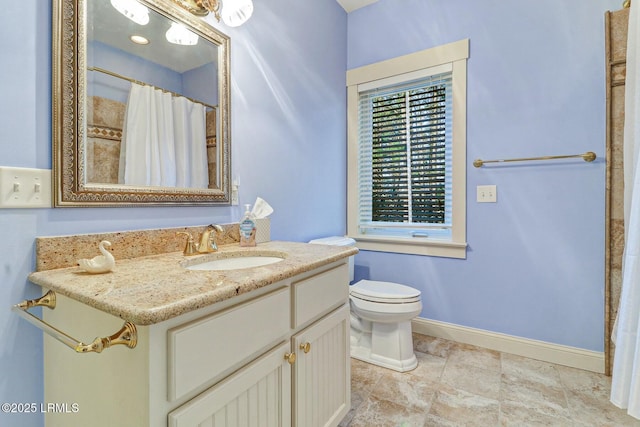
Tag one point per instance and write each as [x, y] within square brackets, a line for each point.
[463, 385]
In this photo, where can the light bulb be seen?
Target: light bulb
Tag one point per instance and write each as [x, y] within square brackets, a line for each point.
[179, 34]
[236, 12]
[133, 10]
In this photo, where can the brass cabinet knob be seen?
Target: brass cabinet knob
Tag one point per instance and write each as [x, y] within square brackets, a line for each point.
[306, 347]
[290, 357]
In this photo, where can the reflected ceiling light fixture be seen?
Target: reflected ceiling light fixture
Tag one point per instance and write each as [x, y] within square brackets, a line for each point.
[179, 34]
[139, 39]
[133, 10]
[232, 12]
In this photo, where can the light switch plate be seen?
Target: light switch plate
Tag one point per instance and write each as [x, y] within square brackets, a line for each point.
[486, 194]
[25, 187]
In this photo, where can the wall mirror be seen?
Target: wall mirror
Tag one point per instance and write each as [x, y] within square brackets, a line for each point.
[141, 105]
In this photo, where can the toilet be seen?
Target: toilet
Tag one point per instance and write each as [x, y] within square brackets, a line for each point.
[381, 314]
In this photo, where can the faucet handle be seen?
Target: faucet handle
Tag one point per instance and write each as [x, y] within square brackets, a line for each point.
[190, 248]
[208, 239]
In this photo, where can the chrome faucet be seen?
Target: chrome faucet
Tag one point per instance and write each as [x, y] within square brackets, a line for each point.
[208, 239]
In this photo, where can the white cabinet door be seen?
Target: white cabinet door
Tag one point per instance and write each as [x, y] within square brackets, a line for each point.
[259, 395]
[322, 371]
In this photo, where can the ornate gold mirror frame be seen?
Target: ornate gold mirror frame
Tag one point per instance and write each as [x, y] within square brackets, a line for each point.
[69, 115]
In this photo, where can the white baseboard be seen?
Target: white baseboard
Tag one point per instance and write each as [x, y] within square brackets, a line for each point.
[539, 350]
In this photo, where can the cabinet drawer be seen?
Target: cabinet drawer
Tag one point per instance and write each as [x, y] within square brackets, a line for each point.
[320, 294]
[208, 349]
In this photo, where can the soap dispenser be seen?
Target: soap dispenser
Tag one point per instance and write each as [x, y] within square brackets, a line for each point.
[248, 228]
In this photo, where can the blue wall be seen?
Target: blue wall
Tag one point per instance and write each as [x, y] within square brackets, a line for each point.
[190, 83]
[193, 82]
[535, 264]
[288, 133]
[104, 56]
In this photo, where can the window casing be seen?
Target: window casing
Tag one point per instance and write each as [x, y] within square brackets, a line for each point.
[407, 150]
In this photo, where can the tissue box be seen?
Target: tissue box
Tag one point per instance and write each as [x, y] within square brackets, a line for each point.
[263, 230]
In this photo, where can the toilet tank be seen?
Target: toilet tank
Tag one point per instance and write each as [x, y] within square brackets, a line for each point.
[338, 241]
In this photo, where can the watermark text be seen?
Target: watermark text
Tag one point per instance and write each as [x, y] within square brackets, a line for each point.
[32, 407]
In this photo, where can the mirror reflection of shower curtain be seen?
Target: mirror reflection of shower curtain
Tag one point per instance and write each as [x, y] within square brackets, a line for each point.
[163, 141]
[189, 124]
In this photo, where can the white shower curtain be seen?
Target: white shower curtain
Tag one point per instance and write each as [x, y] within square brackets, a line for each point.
[163, 140]
[189, 124]
[625, 385]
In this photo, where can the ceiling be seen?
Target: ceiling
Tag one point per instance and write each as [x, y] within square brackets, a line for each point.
[107, 25]
[351, 5]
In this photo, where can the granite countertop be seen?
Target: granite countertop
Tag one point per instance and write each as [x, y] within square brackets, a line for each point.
[151, 289]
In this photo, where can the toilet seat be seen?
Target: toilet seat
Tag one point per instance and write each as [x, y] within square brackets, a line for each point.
[384, 292]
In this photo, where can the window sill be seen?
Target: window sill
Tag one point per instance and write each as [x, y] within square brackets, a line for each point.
[412, 246]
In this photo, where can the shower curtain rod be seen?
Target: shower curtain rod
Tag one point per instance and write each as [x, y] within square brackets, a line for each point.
[129, 79]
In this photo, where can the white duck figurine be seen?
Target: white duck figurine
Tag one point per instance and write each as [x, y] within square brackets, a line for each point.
[100, 264]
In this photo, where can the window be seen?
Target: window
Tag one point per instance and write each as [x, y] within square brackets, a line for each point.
[404, 165]
[407, 149]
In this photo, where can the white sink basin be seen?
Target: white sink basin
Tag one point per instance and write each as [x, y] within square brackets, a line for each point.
[235, 263]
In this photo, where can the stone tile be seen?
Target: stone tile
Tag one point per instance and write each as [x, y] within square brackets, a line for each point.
[404, 389]
[585, 381]
[472, 379]
[364, 376]
[475, 356]
[104, 161]
[429, 367]
[520, 414]
[434, 346]
[549, 400]
[593, 409]
[435, 421]
[106, 112]
[459, 408]
[530, 369]
[376, 412]
[461, 385]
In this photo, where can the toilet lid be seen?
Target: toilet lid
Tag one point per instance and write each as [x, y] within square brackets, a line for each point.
[389, 292]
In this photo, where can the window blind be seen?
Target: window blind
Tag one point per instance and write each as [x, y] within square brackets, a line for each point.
[405, 158]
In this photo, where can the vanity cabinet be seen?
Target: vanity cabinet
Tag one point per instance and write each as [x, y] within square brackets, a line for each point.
[276, 356]
[313, 386]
